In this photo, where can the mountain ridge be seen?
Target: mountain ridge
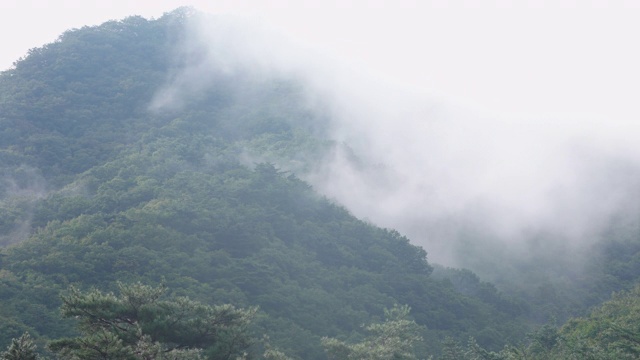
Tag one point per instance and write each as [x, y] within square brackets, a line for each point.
[99, 189]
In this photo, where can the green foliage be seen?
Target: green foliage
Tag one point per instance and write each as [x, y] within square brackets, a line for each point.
[392, 339]
[610, 331]
[271, 353]
[138, 324]
[451, 350]
[21, 348]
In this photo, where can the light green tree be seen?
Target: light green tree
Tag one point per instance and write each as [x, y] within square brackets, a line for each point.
[391, 340]
[611, 331]
[137, 324]
[21, 348]
[451, 350]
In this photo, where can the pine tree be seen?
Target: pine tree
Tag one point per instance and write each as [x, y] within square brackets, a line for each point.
[391, 340]
[21, 348]
[137, 324]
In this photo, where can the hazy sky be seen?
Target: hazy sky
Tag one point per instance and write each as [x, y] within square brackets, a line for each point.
[568, 59]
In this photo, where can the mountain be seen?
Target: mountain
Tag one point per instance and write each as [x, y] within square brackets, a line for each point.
[108, 175]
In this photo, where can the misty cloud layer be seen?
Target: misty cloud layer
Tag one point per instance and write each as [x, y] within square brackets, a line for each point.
[427, 166]
[433, 166]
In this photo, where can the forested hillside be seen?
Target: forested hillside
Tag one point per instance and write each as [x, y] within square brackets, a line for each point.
[99, 187]
[113, 172]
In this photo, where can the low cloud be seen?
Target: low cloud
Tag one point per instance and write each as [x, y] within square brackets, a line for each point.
[424, 164]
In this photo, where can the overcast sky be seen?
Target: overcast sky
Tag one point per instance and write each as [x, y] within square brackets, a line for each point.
[552, 59]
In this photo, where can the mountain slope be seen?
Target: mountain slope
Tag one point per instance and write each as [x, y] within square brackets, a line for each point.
[99, 186]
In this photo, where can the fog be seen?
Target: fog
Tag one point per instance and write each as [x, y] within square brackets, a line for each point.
[432, 168]
[19, 195]
[539, 138]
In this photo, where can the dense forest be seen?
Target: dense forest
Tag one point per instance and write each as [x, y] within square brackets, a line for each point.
[113, 207]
